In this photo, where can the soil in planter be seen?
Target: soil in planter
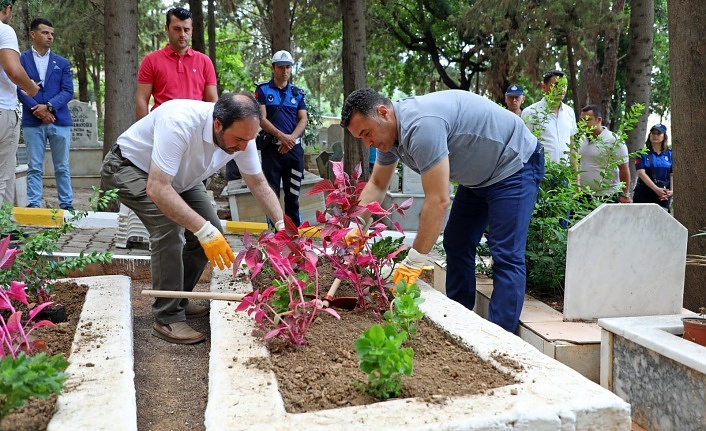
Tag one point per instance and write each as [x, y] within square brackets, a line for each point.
[36, 413]
[322, 375]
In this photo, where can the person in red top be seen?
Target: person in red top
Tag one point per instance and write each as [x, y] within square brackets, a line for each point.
[175, 71]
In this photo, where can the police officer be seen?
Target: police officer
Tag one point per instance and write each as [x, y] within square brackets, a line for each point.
[284, 120]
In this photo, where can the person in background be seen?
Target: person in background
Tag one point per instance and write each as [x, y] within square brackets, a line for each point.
[284, 120]
[46, 116]
[655, 179]
[158, 166]
[498, 164]
[598, 149]
[514, 98]
[12, 75]
[559, 123]
[175, 71]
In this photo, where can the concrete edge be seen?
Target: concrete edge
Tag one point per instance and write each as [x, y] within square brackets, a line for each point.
[100, 392]
[547, 396]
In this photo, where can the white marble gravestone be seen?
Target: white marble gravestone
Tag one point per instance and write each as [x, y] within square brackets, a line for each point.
[624, 261]
[411, 182]
[84, 132]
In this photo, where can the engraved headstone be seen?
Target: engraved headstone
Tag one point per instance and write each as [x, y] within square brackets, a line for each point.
[84, 132]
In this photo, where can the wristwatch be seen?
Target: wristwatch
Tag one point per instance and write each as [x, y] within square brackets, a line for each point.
[625, 195]
[50, 107]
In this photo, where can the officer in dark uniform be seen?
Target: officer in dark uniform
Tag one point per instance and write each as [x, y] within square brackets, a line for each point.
[284, 120]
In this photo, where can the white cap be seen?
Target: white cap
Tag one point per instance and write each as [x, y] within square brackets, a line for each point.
[282, 58]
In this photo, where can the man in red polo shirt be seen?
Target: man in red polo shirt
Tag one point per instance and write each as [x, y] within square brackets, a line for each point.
[175, 71]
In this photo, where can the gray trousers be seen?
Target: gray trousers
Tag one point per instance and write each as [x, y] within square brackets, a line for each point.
[177, 258]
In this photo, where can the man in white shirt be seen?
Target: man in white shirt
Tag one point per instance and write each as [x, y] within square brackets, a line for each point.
[12, 74]
[599, 151]
[556, 120]
[158, 166]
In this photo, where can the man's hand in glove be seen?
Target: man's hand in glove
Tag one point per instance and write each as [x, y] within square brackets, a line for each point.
[355, 238]
[410, 268]
[215, 246]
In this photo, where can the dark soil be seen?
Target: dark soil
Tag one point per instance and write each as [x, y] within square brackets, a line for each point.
[325, 373]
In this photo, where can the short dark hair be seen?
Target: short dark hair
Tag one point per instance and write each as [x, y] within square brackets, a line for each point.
[6, 3]
[595, 109]
[552, 73]
[179, 12]
[230, 107]
[363, 101]
[34, 25]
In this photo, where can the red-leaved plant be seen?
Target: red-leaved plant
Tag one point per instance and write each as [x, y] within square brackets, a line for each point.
[293, 251]
[14, 335]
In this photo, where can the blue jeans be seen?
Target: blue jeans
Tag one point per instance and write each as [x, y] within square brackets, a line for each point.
[59, 138]
[505, 207]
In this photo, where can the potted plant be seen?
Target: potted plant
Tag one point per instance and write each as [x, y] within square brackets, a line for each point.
[695, 327]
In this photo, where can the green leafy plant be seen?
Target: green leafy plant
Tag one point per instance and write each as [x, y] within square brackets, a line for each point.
[26, 376]
[404, 309]
[384, 360]
[35, 266]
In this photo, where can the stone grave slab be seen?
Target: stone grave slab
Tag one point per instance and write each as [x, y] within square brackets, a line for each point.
[411, 181]
[84, 132]
[623, 261]
[335, 134]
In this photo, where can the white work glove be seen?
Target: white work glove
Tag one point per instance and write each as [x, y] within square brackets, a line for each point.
[411, 267]
[279, 225]
[215, 246]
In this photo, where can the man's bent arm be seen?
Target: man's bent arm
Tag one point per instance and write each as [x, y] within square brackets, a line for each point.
[624, 174]
[210, 93]
[10, 61]
[436, 202]
[142, 100]
[264, 195]
[160, 190]
[376, 187]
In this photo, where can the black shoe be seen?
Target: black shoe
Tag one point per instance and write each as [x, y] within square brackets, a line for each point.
[32, 206]
[67, 207]
[14, 234]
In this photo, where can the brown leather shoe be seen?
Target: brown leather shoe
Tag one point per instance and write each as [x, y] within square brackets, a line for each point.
[194, 311]
[177, 333]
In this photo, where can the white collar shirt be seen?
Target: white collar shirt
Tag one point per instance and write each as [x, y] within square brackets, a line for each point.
[558, 128]
[42, 63]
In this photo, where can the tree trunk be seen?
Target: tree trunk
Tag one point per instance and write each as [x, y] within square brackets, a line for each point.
[197, 40]
[639, 70]
[212, 36]
[120, 68]
[354, 75]
[281, 26]
[687, 31]
[81, 71]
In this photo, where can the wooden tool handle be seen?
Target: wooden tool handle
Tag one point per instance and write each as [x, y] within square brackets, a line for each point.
[222, 296]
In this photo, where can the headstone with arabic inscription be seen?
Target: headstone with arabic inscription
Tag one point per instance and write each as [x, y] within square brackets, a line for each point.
[84, 132]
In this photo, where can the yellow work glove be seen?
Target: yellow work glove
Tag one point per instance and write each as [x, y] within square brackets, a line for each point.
[215, 246]
[410, 268]
[354, 238]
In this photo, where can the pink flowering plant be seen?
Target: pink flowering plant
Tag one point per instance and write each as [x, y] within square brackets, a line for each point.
[23, 374]
[288, 307]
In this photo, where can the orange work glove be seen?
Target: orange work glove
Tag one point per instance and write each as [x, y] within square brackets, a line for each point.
[410, 268]
[215, 246]
[355, 237]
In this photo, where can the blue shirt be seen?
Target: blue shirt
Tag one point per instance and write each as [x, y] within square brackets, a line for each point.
[269, 95]
[657, 166]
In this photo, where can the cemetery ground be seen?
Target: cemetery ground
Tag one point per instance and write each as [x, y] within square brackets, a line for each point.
[171, 381]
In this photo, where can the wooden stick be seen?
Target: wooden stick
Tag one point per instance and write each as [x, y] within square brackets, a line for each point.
[221, 296]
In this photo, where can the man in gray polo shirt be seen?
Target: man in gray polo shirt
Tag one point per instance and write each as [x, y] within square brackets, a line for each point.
[498, 164]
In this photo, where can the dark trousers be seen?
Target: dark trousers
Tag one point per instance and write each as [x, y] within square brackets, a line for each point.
[287, 169]
[505, 207]
[645, 195]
